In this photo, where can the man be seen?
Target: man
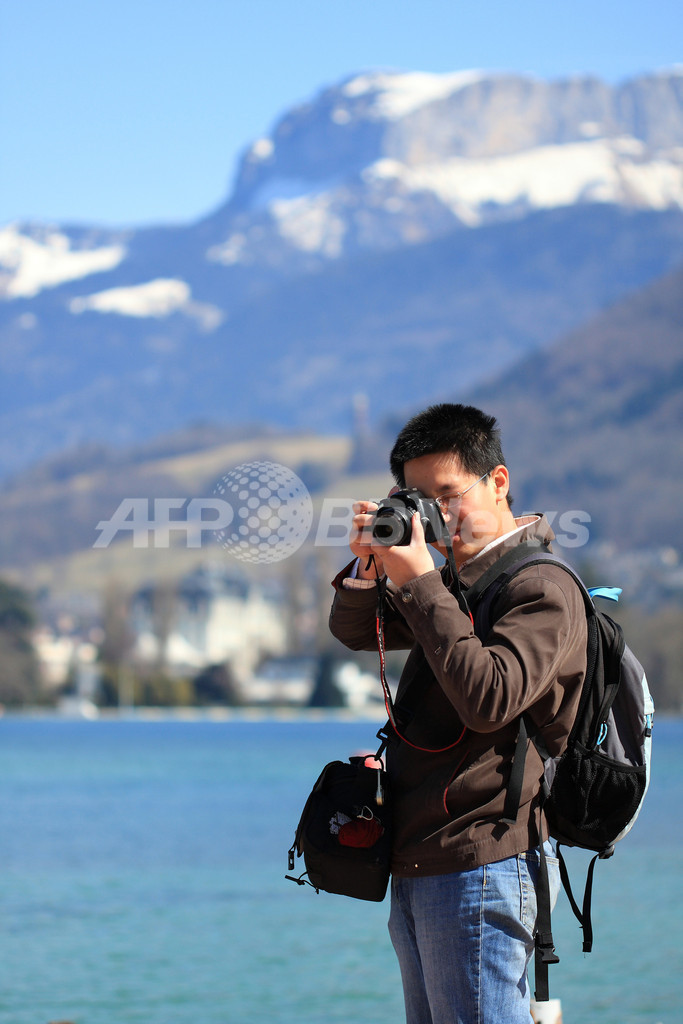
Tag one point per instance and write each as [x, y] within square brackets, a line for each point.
[463, 901]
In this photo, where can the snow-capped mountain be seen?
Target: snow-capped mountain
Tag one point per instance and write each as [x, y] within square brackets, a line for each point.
[391, 159]
[384, 160]
[394, 225]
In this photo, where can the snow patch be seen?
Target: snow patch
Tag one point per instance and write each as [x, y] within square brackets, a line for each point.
[340, 115]
[232, 251]
[159, 298]
[657, 185]
[545, 177]
[396, 95]
[262, 149]
[155, 298]
[28, 265]
[310, 224]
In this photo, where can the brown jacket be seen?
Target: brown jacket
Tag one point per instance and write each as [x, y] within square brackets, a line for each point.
[448, 803]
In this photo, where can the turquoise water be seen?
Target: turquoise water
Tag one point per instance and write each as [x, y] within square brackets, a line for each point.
[143, 869]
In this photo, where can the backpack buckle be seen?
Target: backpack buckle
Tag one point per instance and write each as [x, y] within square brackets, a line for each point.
[546, 948]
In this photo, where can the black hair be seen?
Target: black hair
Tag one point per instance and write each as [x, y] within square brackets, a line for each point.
[464, 431]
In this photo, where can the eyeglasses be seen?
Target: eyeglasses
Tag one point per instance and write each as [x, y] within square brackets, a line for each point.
[451, 502]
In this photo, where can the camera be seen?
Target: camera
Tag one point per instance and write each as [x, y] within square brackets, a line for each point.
[392, 524]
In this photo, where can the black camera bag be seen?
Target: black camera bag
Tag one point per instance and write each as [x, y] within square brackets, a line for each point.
[344, 833]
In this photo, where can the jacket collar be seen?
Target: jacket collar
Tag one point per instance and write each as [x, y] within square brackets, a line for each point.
[529, 528]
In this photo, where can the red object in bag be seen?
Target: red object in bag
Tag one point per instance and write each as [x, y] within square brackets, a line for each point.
[361, 832]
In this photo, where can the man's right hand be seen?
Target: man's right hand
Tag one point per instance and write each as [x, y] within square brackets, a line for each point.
[361, 540]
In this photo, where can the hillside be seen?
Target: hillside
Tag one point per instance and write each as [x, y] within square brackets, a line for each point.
[596, 422]
[51, 512]
[593, 424]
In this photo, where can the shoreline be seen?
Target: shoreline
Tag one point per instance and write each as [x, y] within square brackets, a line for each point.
[207, 714]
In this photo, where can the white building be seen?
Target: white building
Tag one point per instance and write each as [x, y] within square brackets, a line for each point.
[211, 617]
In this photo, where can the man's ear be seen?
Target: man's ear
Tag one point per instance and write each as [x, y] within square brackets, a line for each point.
[501, 482]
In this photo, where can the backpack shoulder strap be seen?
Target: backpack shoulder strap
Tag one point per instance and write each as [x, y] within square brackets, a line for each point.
[520, 557]
[505, 566]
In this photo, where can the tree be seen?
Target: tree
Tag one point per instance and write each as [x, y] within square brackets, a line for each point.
[326, 692]
[19, 671]
[115, 650]
[216, 684]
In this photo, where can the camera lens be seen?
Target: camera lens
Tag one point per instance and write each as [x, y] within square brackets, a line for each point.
[383, 531]
[392, 526]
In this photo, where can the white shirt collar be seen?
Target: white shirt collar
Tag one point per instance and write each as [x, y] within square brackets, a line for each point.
[522, 523]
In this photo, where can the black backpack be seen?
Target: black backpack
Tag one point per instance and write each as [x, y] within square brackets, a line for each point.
[593, 792]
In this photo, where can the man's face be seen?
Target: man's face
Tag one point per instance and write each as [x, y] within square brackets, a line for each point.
[482, 513]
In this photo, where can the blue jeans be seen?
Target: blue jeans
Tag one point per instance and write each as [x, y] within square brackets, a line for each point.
[464, 941]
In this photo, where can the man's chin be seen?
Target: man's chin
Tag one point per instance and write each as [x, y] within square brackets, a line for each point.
[462, 550]
[456, 545]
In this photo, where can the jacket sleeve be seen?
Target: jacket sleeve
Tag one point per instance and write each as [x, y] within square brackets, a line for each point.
[538, 638]
[353, 619]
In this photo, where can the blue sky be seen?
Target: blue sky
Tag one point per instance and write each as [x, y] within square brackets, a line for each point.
[136, 111]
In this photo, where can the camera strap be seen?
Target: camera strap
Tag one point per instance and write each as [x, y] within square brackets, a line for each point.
[455, 579]
[392, 722]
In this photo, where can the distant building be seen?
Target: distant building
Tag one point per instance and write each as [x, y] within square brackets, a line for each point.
[56, 654]
[315, 681]
[68, 667]
[211, 617]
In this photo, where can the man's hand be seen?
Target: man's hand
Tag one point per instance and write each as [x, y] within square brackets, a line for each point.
[361, 540]
[401, 563]
[404, 562]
